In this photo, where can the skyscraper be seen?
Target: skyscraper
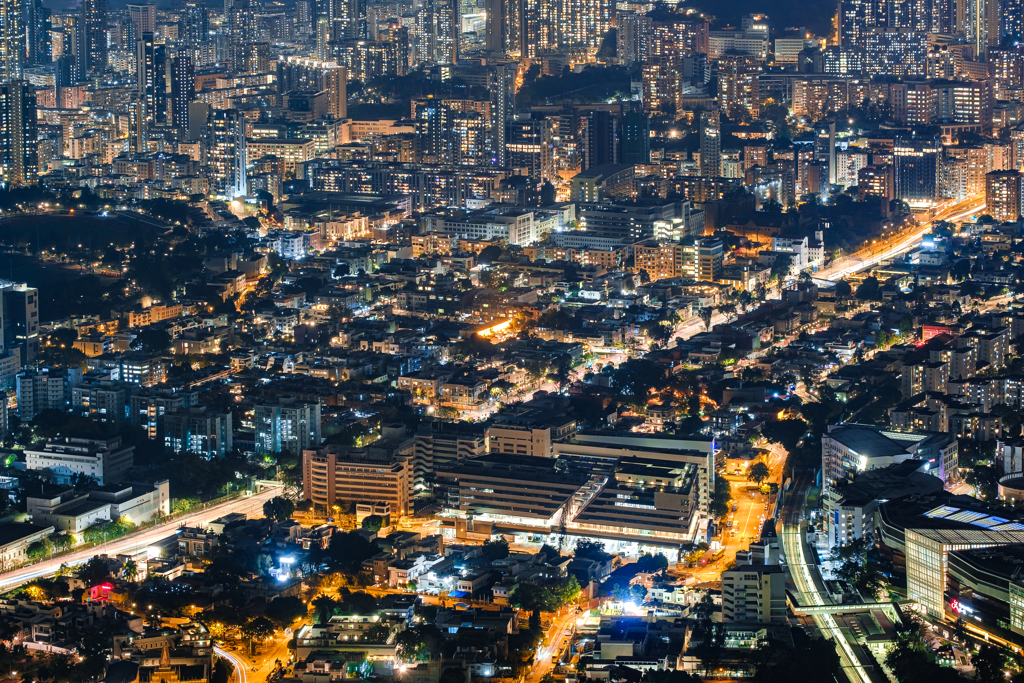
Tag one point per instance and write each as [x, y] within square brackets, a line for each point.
[93, 37]
[501, 83]
[12, 40]
[196, 24]
[183, 90]
[227, 152]
[242, 20]
[20, 314]
[1011, 19]
[711, 143]
[37, 33]
[445, 31]
[497, 38]
[19, 163]
[739, 83]
[601, 139]
[633, 38]
[298, 73]
[1003, 195]
[142, 17]
[150, 64]
[137, 123]
[636, 138]
[896, 52]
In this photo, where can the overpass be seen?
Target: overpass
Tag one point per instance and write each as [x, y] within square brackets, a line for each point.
[807, 610]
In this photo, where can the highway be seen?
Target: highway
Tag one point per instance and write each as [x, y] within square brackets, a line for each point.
[848, 265]
[906, 241]
[803, 575]
[139, 541]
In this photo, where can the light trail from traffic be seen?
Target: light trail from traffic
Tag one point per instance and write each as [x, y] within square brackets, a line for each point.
[137, 542]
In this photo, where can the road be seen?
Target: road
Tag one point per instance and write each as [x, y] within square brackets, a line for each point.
[806, 577]
[546, 656]
[264, 662]
[848, 265]
[906, 241]
[137, 542]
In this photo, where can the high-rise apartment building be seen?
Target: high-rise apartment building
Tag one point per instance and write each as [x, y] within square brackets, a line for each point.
[501, 37]
[196, 24]
[1007, 72]
[739, 83]
[692, 258]
[198, 430]
[917, 165]
[298, 73]
[338, 476]
[711, 143]
[142, 19]
[150, 65]
[633, 37]
[12, 40]
[1003, 195]
[19, 160]
[45, 388]
[600, 139]
[876, 181]
[896, 52]
[38, 47]
[227, 153]
[183, 90]
[286, 425]
[635, 138]
[501, 78]
[92, 52]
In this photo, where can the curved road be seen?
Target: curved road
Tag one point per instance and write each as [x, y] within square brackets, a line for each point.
[139, 541]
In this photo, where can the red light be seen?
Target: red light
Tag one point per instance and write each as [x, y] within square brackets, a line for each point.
[106, 587]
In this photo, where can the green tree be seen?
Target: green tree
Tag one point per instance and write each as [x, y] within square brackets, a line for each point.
[909, 659]
[182, 505]
[869, 289]
[284, 611]
[651, 563]
[279, 508]
[324, 606]
[495, 550]
[989, 664]
[708, 633]
[373, 523]
[590, 550]
[705, 313]
[533, 598]
[39, 549]
[94, 572]
[156, 342]
[378, 633]
[256, 630]
[221, 671]
[758, 473]
[422, 642]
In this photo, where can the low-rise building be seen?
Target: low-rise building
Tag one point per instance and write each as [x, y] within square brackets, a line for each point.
[754, 593]
[75, 513]
[105, 460]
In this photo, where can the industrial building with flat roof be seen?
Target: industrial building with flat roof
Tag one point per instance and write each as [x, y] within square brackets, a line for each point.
[852, 448]
[921, 532]
[633, 505]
